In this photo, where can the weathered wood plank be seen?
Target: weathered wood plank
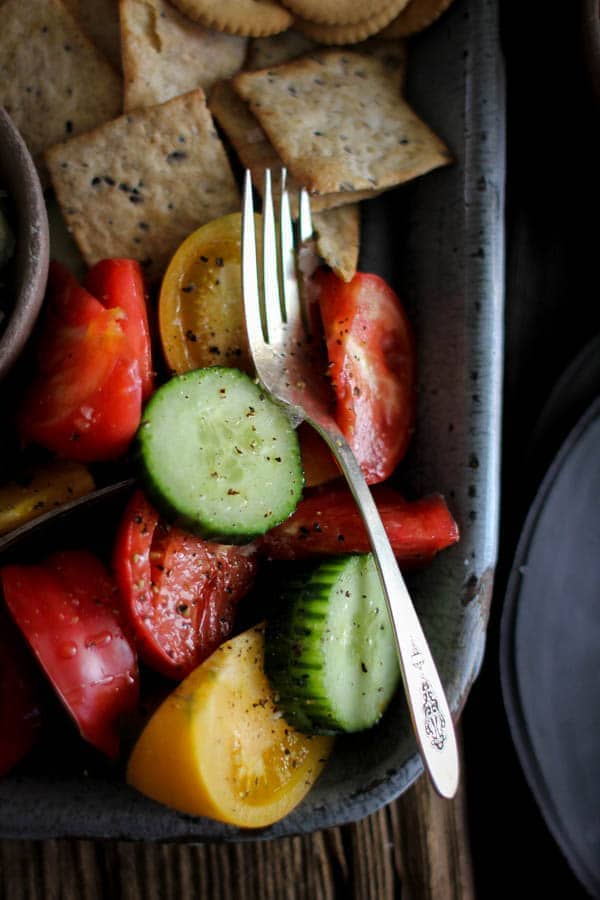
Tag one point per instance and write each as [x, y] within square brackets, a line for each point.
[432, 836]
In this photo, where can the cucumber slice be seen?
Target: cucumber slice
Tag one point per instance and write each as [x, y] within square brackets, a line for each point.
[330, 652]
[218, 456]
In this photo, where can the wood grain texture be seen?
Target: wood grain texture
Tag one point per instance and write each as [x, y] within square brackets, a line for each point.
[416, 848]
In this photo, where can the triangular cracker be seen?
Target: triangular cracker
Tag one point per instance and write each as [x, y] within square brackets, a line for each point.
[166, 54]
[277, 48]
[53, 81]
[338, 123]
[100, 21]
[338, 238]
[139, 185]
[72, 6]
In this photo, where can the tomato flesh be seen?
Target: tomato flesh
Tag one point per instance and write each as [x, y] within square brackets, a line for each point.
[86, 401]
[180, 592]
[372, 368]
[107, 432]
[78, 349]
[119, 284]
[317, 460]
[68, 609]
[20, 711]
[328, 522]
[67, 303]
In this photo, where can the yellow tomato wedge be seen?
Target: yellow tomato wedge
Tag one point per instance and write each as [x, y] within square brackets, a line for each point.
[200, 309]
[218, 747]
[50, 486]
[317, 459]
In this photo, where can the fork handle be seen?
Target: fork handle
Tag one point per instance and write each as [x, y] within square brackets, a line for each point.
[429, 710]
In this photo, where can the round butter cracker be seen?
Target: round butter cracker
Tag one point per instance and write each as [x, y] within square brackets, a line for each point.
[248, 18]
[418, 15]
[336, 12]
[350, 34]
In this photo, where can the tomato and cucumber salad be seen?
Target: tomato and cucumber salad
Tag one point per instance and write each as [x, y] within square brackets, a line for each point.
[225, 486]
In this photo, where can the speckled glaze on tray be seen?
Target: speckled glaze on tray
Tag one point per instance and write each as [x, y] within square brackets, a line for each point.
[440, 242]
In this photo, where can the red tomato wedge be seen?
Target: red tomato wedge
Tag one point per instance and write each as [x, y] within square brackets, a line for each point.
[79, 346]
[372, 367]
[180, 592]
[68, 609]
[119, 284]
[86, 401]
[106, 432]
[68, 305]
[328, 522]
[102, 424]
[20, 712]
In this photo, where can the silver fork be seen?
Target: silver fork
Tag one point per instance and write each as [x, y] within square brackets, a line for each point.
[288, 365]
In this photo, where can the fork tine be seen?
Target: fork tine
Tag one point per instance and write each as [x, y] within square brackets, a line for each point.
[305, 221]
[273, 316]
[305, 233]
[250, 290]
[290, 290]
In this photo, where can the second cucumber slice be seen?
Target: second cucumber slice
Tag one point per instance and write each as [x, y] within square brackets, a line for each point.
[330, 653]
[218, 456]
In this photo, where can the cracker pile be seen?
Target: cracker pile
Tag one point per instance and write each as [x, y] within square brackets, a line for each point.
[116, 99]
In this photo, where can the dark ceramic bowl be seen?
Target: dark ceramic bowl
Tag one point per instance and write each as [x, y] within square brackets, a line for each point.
[29, 268]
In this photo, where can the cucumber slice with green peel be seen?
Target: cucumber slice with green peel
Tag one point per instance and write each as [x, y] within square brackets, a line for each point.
[218, 456]
[330, 652]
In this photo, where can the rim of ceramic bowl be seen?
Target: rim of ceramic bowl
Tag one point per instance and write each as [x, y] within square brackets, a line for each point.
[31, 270]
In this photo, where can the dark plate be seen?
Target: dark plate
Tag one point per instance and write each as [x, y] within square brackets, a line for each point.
[574, 391]
[440, 242]
[550, 635]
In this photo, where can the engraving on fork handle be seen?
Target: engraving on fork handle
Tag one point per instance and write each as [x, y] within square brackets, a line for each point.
[435, 721]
